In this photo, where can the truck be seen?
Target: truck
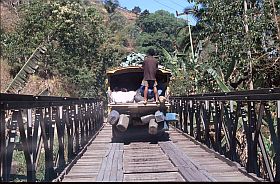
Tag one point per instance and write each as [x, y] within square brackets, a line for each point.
[125, 99]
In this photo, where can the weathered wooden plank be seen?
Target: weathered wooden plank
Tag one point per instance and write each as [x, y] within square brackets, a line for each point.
[153, 176]
[92, 157]
[97, 146]
[74, 174]
[189, 170]
[147, 151]
[140, 147]
[103, 165]
[149, 169]
[94, 163]
[79, 179]
[143, 162]
[114, 170]
[77, 170]
[152, 153]
[139, 159]
[111, 168]
[143, 154]
[107, 172]
[89, 160]
[147, 164]
[236, 179]
[96, 154]
[212, 169]
[148, 157]
[131, 148]
[120, 165]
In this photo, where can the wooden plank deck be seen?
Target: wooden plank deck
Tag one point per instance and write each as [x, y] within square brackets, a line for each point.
[217, 166]
[179, 159]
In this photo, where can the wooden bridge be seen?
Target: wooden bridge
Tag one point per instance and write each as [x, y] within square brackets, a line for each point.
[180, 158]
[219, 137]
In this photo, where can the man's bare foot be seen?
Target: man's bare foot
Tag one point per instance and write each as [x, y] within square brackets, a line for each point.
[145, 102]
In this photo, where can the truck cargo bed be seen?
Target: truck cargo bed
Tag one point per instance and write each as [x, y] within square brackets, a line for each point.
[138, 109]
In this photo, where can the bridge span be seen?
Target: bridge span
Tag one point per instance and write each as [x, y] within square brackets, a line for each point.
[231, 136]
[178, 158]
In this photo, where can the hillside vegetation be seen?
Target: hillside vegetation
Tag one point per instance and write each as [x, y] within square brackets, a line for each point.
[234, 46]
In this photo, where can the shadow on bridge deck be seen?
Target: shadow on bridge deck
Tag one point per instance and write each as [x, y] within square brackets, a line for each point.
[171, 156]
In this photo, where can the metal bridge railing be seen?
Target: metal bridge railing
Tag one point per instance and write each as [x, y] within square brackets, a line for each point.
[244, 126]
[49, 131]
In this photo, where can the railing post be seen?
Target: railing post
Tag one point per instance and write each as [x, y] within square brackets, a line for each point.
[82, 124]
[230, 128]
[257, 133]
[252, 159]
[197, 120]
[93, 116]
[220, 121]
[70, 132]
[180, 113]
[29, 130]
[10, 147]
[36, 150]
[45, 127]
[274, 138]
[186, 109]
[248, 135]
[206, 119]
[277, 156]
[102, 112]
[77, 119]
[29, 166]
[60, 126]
[216, 117]
[236, 118]
[2, 144]
[53, 115]
[191, 114]
[87, 121]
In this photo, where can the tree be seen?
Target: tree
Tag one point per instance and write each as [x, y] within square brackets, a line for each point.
[157, 29]
[136, 10]
[75, 35]
[111, 5]
[241, 52]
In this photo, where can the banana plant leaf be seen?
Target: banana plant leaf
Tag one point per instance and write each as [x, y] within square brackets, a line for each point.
[28, 68]
[230, 69]
[218, 79]
[167, 55]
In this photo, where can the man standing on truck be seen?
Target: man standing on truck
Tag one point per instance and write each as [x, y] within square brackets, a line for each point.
[150, 67]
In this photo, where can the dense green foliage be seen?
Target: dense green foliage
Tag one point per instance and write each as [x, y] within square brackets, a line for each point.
[75, 37]
[82, 44]
[111, 5]
[157, 29]
[236, 47]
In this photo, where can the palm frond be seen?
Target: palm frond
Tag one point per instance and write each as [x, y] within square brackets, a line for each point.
[28, 68]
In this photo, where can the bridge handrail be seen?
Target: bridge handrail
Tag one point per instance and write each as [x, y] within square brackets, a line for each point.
[257, 94]
[11, 101]
[218, 119]
[66, 125]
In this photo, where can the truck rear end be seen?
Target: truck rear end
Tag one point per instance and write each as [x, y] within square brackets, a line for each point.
[125, 98]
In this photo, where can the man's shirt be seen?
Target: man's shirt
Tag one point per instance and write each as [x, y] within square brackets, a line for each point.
[150, 66]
